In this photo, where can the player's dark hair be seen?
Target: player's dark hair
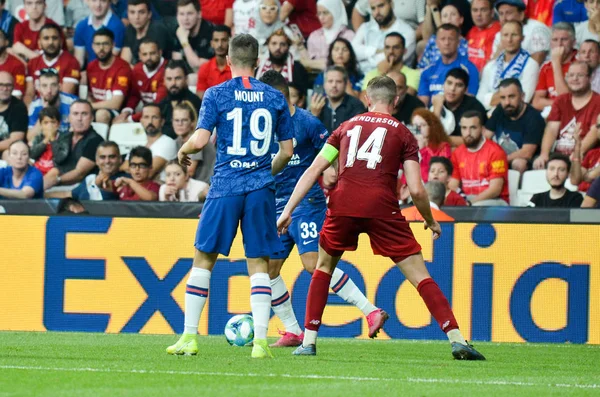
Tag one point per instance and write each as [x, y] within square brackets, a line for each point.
[139, 2]
[469, 114]
[51, 112]
[82, 102]
[593, 42]
[460, 74]
[183, 3]
[443, 161]
[50, 25]
[142, 152]
[397, 35]
[352, 64]
[449, 26]
[105, 32]
[111, 144]
[149, 40]
[339, 69]
[381, 89]
[152, 105]
[243, 51]
[277, 81]
[222, 29]
[177, 64]
[560, 157]
[511, 81]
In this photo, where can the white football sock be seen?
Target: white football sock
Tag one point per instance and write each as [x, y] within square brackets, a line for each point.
[282, 306]
[454, 335]
[196, 293]
[310, 337]
[345, 288]
[260, 303]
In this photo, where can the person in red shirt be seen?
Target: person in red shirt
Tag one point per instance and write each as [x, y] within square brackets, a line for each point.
[440, 169]
[217, 12]
[12, 65]
[571, 112]
[216, 70]
[109, 78]
[52, 57]
[584, 172]
[139, 187]
[25, 39]
[371, 147]
[302, 14]
[41, 147]
[480, 165]
[562, 54]
[481, 36]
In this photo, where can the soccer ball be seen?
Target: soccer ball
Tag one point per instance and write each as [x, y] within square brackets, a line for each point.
[239, 330]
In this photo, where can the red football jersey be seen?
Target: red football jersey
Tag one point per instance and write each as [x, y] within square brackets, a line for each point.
[475, 170]
[480, 43]
[454, 199]
[373, 146]
[564, 112]
[65, 64]
[15, 67]
[147, 87]
[103, 84]
[24, 34]
[546, 79]
[590, 161]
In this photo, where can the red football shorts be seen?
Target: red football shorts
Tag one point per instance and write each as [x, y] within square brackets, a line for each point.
[389, 237]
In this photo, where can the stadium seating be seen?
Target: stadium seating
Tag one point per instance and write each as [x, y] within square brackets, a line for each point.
[101, 129]
[513, 186]
[128, 136]
[534, 181]
[83, 91]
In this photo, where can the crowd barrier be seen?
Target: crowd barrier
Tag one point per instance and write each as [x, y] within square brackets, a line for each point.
[506, 282]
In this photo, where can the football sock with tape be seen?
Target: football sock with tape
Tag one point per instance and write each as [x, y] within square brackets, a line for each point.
[316, 301]
[260, 303]
[345, 288]
[439, 307]
[196, 293]
[282, 306]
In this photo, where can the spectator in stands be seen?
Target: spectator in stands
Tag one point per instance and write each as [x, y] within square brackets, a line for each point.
[537, 35]
[7, 22]
[41, 146]
[301, 13]
[592, 199]
[435, 191]
[588, 29]
[193, 37]
[148, 78]
[433, 78]
[12, 65]
[163, 147]
[480, 165]
[50, 96]
[180, 187]
[13, 115]
[140, 187]
[557, 172]
[513, 62]
[431, 137]
[244, 12]
[82, 143]
[297, 96]
[70, 206]
[334, 24]
[281, 60]
[369, 38]
[25, 39]
[20, 180]
[141, 26]
[589, 52]
[450, 105]
[336, 106]
[516, 126]
[266, 21]
[563, 53]
[407, 103]
[580, 106]
[431, 55]
[52, 56]
[101, 186]
[216, 70]
[177, 92]
[394, 49]
[411, 12]
[583, 172]
[440, 169]
[218, 12]
[572, 11]
[109, 78]
[101, 18]
[342, 54]
[75, 11]
[480, 38]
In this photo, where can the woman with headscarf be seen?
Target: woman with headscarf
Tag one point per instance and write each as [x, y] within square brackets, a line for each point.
[266, 21]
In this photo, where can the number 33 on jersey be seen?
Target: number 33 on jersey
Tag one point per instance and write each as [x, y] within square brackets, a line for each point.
[248, 116]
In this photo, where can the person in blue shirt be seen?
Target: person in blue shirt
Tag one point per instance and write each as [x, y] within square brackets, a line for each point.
[249, 116]
[432, 78]
[572, 11]
[20, 180]
[309, 137]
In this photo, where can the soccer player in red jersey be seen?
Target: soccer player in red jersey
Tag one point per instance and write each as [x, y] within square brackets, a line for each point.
[12, 65]
[25, 38]
[109, 78]
[371, 148]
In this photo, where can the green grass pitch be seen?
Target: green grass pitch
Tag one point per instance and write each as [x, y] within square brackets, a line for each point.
[76, 364]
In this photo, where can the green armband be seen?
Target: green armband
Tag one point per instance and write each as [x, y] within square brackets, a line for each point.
[329, 153]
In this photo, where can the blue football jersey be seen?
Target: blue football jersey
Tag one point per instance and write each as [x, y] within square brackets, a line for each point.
[309, 137]
[249, 116]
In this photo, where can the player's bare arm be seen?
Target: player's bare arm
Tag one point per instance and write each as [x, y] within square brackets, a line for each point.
[196, 143]
[412, 170]
[283, 156]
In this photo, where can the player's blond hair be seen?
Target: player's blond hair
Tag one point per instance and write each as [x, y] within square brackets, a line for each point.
[243, 51]
[381, 89]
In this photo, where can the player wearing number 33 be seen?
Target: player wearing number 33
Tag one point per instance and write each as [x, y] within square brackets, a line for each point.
[371, 148]
[248, 116]
[309, 137]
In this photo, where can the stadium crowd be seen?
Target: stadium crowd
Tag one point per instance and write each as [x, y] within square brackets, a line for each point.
[494, 91]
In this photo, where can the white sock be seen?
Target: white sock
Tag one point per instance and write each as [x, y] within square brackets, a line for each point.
[345, 288]
[260, 303]
[196, 293]
[454, 335]
[282, 306]
[310, 337]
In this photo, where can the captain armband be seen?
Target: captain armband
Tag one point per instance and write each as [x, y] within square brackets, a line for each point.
[329, 153]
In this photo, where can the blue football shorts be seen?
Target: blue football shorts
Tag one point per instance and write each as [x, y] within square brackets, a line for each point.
[304, 230]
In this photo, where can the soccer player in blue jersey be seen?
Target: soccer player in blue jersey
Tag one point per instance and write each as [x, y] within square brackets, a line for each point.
[309, 137]
[249, 117]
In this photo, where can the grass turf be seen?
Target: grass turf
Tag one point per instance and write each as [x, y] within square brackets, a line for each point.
[67, 364]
